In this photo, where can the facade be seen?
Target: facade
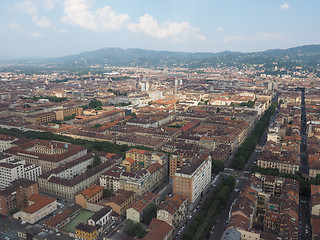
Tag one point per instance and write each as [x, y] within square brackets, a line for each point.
[69, 188]
[38, 208]
[193, 179]
[144, 180]
[141, 157]
[100, 118]
[6, 142]
[12, 169]
[173, 210]
[47, 154]
[92, 194]
[138, 208]
[315, 200]
[86, 232]
[121, 201]
[111, 178]
[15, 196]
[42, 118]
[102, 217]
[66, 112]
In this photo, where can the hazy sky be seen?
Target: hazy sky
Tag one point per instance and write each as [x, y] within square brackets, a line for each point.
[63, 27]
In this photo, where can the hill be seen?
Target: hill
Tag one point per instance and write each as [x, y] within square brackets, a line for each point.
[307, 56]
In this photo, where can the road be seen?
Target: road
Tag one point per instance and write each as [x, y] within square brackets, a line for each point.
[243, 174]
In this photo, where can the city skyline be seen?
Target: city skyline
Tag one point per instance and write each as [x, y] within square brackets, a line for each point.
[54, 28]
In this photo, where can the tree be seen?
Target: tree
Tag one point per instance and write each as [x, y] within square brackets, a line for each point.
[134, 229]
[107, 193]
[94, 103]
[150, 212]
[217, 166]
[96, 160]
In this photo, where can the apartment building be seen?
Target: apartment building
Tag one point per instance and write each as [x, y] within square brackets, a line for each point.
[12, 169]
[138, 208]
[15, 196]
[92, 194]
[193, 179]
[121, 202]
[86, 232]
[173, 210]
[111, 178]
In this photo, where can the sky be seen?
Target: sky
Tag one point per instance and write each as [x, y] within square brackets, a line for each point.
[54, 28]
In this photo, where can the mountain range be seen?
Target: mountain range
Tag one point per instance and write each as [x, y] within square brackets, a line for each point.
[307, 56]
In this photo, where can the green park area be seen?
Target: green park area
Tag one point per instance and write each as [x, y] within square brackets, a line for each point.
[81, 218]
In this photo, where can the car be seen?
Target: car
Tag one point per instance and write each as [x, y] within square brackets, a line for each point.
[189, 217]
[306, 230]
[194, 210]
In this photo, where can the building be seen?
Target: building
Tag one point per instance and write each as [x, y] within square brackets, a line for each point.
[38, 208]
[144, 180]
[141, 157]
[69, 188]
[86, 232]
[315, 200]
[42, 117]
[102, 217]
[6, 142]
[92, 194]
[67, 112]
[159, 230]
[138, 208]
[192, 180]
[121, 201]
[173, 210]
[61, 219]
[47, 154]
[12, 169]
[111, 178]
[100, 118]
[15, 196]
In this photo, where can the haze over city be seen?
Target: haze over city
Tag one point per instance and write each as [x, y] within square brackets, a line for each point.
[52, 28]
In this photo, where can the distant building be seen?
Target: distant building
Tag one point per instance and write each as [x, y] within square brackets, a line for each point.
[47, 154]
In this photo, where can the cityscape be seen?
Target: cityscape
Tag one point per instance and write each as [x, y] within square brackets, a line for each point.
[126, 143]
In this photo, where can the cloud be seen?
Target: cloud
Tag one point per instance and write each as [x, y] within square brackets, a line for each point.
[18, 28]
[50, 4]
[64, 30]
[27, 6]
[220, 29]
[78, 12]
[284, 6]
[168, 30]
[42, 22]
[261, 37]
[35, 34]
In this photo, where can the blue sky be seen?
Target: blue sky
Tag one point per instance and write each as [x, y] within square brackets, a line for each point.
[45, 28]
